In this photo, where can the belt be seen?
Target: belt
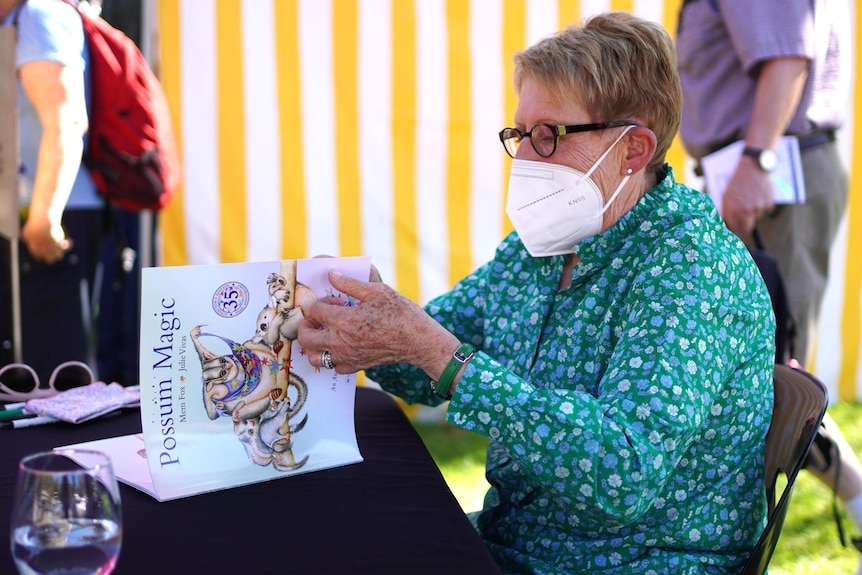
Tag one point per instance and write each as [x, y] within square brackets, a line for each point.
[814, 139]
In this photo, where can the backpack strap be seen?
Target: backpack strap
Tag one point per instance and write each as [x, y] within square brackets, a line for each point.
[124, 255]
[17, 10]
[785, 323]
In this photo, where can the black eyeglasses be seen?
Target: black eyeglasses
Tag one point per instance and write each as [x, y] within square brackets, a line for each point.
[544, 137]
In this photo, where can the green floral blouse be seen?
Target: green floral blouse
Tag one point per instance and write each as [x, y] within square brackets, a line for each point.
[627, 413]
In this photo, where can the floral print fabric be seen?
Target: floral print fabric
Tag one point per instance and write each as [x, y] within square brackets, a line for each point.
[627, 413]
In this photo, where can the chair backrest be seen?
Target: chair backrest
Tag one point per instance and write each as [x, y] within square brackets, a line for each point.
[800, 404]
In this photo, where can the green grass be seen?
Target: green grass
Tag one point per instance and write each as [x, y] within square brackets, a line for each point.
[809, 541]
[460, 455]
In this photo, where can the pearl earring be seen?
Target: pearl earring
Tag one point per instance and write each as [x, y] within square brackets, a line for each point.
[629, 171]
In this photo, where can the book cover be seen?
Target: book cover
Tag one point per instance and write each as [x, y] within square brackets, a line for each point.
[228, 397]
[787, 182]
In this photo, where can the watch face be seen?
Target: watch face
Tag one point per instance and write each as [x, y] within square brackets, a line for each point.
[768, 160]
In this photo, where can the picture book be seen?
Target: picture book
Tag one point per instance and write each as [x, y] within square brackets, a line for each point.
[228, 396]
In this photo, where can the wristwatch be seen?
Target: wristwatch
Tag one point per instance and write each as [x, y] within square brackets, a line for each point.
[766, 158]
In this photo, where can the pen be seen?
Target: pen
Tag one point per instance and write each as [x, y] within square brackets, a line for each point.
[13, 414]
[10, 406]
[29, 422]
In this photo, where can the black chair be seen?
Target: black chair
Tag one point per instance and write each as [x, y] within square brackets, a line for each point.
[800, 404]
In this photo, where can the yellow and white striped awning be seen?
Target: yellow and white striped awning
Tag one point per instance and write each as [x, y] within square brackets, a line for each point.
[350, 127]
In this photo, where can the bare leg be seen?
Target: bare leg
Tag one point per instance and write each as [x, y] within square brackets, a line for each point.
[850, 475]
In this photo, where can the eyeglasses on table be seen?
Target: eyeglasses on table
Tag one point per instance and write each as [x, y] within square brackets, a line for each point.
[19, 381]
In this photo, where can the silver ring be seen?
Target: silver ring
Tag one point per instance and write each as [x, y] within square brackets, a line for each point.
[326, 360]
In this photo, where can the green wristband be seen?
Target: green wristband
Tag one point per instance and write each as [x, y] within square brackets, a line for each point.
[462, 355]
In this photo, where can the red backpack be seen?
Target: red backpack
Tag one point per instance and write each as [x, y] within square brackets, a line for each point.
[131, 151]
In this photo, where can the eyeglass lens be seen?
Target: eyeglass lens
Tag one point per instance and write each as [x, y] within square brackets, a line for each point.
[543, 139]
[71, 376]
[19, 379]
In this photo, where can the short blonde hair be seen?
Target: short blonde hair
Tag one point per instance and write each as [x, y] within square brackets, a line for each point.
[617, 67]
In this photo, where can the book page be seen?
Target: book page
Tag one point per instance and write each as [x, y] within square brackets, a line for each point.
[128, 457]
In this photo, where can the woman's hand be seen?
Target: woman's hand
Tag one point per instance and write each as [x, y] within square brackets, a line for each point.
[385, 327]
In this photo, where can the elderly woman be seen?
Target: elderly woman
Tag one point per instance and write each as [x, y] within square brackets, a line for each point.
[617, 350]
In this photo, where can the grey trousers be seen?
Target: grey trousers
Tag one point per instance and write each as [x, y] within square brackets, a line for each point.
[800, 237]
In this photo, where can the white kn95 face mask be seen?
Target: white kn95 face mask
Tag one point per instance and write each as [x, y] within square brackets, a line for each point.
[555, 207]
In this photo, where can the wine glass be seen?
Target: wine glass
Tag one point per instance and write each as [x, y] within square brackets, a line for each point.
[66, 519]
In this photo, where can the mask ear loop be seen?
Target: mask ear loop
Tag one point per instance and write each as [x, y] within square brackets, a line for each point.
[615, 194]
[599, 161]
